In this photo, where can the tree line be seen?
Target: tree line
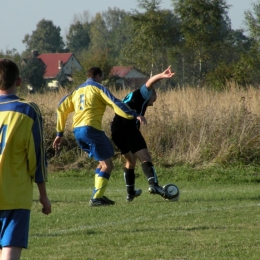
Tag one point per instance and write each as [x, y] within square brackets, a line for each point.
[195, 38]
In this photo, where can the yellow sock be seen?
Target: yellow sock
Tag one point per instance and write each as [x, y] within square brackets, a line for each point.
[101, 182]
[97, 171]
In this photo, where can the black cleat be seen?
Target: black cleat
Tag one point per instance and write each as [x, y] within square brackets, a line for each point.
[137, 193]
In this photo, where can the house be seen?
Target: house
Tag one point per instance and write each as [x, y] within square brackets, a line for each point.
[55, 63]
[127, 76]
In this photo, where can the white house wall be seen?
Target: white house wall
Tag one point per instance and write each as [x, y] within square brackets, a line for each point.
[71, 65]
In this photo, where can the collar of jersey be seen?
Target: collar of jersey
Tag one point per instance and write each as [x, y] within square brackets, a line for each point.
[6, 98]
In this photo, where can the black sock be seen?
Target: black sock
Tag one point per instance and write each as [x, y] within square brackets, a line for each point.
[150, 173]
[129, 175]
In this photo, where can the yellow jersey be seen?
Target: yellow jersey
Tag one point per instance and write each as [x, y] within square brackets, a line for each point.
[22, 153]
[89, 102]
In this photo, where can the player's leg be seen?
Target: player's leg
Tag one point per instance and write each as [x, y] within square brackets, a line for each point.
[129, 176]
[14, 233]
[11, 252]
[150, 173]
[97, 170]
[97, 145]
[123, 140]
[101, 183]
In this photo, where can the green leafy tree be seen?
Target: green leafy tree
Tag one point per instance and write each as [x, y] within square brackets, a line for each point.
[152, 33]
[98, 52]
[78, 38]
[12, 55]
[62, 79]
[252, 22]
[205, 25]
[98, 33]
[247, 70]
[46, 38]
[32, 74]
[234, 54]
[117, 32]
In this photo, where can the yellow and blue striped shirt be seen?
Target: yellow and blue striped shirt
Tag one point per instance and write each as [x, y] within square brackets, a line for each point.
[22, 153]
[89, 102]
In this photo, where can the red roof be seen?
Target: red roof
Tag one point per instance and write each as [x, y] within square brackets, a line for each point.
[120, 71]
[51, 60]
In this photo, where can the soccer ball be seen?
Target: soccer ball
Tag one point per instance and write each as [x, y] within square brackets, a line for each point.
[173, 192]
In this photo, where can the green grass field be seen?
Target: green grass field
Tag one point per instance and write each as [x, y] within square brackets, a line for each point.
[216, 217]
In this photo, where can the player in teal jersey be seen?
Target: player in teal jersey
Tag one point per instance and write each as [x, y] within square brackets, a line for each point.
[130, 141]
[22, 162]
[89, 102]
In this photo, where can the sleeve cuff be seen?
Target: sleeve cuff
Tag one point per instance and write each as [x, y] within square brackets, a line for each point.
[60, 134]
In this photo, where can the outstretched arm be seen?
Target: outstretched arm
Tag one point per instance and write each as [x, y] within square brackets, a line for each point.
[164, 75]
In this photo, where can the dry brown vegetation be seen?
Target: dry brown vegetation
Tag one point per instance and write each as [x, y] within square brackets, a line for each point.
[186, 126]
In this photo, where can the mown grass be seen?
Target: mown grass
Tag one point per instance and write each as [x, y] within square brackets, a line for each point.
[216, 217]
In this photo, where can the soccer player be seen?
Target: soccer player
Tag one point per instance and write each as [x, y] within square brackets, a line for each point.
[89, 102]
[131, 143]
[22, 162]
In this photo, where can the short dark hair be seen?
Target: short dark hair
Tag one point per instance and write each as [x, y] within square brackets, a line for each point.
[9, 73]
[93, 72]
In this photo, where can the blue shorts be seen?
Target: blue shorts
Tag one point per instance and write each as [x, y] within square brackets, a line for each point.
[14, 227]
[94, 142]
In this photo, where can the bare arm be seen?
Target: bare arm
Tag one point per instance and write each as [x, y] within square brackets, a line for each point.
[46, 205]
[164, 75]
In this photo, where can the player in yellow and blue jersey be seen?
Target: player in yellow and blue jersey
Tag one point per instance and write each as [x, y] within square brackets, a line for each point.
[88, 102]
[22, 162]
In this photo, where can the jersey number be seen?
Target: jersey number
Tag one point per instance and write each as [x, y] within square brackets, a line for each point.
[81, 102]
[3, 131]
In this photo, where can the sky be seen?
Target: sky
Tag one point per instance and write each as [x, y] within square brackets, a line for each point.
[19, 18]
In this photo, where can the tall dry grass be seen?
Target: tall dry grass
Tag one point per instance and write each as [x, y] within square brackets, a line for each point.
[185, 126]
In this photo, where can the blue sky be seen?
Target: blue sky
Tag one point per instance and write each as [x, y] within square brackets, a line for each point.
[21, 17]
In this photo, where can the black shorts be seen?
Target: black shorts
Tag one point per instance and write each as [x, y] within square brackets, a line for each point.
[129, 140]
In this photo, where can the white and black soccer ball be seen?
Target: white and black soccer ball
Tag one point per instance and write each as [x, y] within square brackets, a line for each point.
[173, 192]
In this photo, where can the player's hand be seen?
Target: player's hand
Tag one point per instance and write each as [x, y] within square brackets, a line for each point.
[168, 73]
[46, 205]
[142, 120]
[57, 143]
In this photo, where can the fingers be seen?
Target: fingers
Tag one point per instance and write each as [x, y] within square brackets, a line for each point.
[57, 143]
[46, 206]
[56, 146]
[46, 211]
[142, 120]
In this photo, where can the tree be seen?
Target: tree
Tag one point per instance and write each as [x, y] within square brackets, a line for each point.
[98, 33]
[32, 73]
[247, 70]
[98, 52]
[78, 38]
[252, 22]
[117, 32]
[46, 38]
[62, 79]
[152, 33]
[11, 54]
[205, 25]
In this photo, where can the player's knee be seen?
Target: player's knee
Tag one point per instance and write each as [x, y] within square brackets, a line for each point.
[130, 164]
